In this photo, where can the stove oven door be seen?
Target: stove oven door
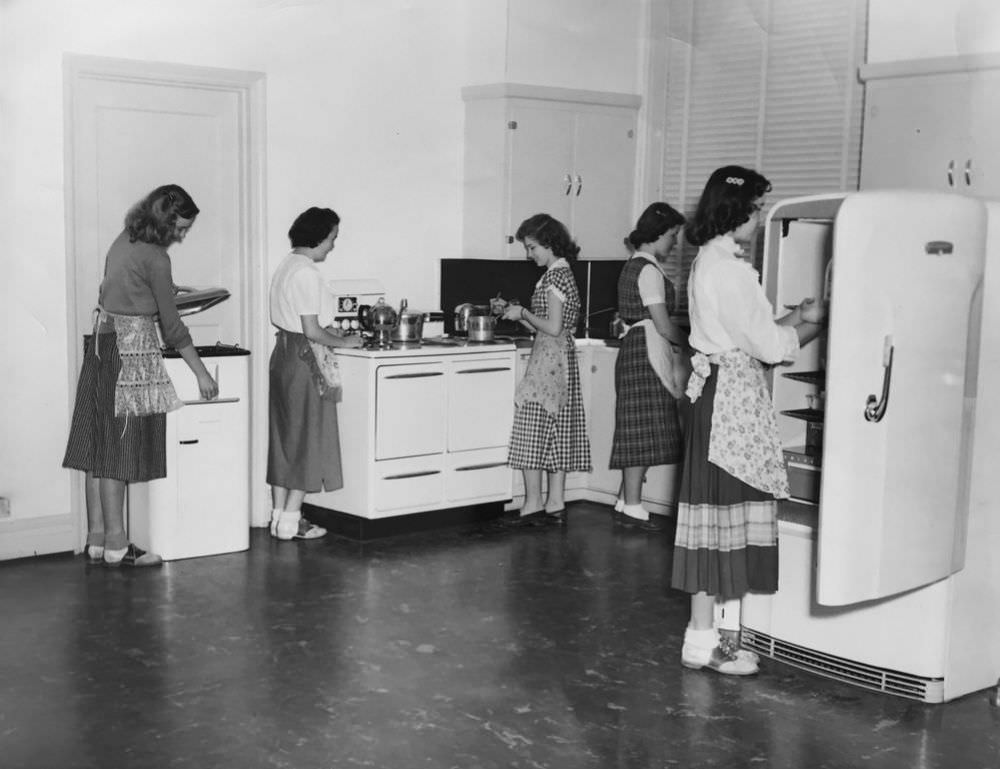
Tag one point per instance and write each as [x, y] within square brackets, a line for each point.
[410, 410]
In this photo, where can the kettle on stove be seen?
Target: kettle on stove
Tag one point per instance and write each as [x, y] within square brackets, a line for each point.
[379, 319]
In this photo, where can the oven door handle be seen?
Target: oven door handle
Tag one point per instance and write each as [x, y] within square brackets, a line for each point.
[483, 370]
[414, 376]
[418, 474]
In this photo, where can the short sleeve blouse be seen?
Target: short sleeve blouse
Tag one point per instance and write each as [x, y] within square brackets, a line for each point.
[558, 280]
[298, 289]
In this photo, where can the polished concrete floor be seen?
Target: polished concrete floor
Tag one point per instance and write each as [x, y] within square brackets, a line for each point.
[467, 648]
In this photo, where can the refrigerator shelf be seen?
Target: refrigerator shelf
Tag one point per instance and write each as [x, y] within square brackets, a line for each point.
[809, 415]
[812, 377]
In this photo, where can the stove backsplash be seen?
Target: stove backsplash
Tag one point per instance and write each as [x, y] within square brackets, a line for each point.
[479, 280]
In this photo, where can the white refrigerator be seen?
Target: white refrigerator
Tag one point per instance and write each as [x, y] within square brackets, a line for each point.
[890, 429]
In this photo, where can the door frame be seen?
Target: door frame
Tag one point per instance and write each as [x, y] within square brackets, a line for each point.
[249, 89]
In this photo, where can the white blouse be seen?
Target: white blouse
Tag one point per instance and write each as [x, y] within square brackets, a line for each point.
[650, 280]
[298, 289]
[729, 310]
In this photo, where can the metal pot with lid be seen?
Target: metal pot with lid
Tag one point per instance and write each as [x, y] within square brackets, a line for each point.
[464, 312]
[409, 325]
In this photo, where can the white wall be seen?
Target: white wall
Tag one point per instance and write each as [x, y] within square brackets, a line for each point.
[364, 114]
[899, 30]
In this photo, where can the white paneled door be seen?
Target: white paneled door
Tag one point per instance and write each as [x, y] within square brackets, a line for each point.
[131, 137]
[132, 126]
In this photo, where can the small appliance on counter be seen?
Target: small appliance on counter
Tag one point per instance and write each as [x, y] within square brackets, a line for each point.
[361, 306]
[349, 296]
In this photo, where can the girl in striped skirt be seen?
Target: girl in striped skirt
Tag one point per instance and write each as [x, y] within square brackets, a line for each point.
[734, 473]
[118, 432]
[549, 432]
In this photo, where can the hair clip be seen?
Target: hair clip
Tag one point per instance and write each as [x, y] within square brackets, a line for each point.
[734, 180]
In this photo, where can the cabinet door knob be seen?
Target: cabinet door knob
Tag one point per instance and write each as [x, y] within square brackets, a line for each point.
[569, 183]
[951, 173]
[968, 172]
[579, 184]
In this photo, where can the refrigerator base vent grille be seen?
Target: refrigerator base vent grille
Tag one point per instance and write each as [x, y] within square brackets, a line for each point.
[845, 670]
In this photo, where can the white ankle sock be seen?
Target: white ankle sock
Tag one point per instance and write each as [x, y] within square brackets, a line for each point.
[701, 639]
[114, 556]
[636, 511]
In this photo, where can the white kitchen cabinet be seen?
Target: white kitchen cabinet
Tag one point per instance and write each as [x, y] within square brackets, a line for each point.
[601, 418]
[202, 507]
[933, 127]
[530, 150]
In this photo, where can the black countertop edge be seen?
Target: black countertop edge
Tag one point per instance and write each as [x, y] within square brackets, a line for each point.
[216, 350]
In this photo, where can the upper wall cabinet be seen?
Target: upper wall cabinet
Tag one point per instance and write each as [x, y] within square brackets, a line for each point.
[932, 124]
[531, 149]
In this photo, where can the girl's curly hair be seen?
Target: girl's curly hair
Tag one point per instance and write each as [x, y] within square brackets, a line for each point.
[548, 233]
[152, 219]
[726, 202]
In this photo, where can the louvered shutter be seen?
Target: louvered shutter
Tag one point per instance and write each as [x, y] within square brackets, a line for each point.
[767, 84]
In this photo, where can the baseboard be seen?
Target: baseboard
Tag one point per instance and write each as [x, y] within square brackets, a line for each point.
[27, 537]
[364, 529]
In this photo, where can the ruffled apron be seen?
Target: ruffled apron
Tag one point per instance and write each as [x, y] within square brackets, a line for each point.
[546, 377]
[143, 386]
[744, 439]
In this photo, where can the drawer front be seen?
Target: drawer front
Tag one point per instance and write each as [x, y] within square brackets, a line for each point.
[481, 403]
[409, 485]
[478, 476]
[410, 411]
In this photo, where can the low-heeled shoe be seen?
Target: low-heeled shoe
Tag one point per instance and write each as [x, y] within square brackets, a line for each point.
[556, 516]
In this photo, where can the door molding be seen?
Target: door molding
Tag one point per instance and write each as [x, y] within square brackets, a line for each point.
[249, 90]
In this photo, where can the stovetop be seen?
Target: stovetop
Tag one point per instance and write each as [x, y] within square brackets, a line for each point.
[429, 346]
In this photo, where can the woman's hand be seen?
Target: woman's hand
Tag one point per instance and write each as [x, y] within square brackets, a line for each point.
[514, 312]
[354, 340]
[207, 386]
[812, 311]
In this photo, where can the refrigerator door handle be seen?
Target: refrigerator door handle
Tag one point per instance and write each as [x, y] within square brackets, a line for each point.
[875, 407]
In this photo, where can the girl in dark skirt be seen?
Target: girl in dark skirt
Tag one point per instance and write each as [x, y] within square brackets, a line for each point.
[647, 432]
[734, 472]
[303, 453]
[118, 431]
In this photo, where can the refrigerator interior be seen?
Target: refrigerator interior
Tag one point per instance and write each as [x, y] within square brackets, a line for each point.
[912, 619]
